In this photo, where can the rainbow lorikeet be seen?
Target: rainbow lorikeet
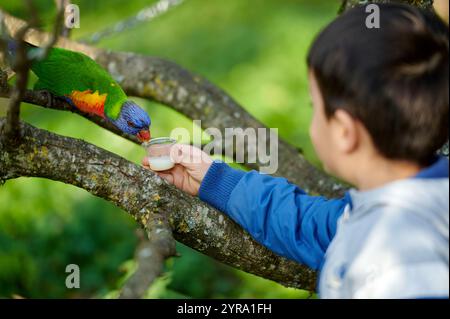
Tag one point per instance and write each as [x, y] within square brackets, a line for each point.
[87, 86]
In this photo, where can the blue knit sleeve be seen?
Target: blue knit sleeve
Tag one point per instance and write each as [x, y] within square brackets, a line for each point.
[276, 213]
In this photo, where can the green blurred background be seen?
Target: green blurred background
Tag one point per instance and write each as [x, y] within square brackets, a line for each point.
[253, 49]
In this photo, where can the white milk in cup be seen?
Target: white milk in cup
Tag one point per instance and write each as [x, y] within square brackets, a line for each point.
[158, 152]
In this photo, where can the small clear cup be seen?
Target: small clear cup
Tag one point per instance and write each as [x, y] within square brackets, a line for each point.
[158, 152]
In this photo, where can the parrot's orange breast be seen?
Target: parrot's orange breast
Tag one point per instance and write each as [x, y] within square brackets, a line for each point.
[89, 102]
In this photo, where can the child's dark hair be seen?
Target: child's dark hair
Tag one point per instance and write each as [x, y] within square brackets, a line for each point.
[393, 79]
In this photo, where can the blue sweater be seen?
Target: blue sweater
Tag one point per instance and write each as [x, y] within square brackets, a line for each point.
[280, 215]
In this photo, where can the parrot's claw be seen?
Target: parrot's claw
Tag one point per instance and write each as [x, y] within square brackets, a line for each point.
[67, 100]
[47, 96]
[51, 99]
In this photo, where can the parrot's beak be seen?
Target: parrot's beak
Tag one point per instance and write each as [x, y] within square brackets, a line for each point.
[144, 135]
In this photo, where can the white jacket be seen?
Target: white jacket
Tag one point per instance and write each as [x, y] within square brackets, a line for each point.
[392, 242]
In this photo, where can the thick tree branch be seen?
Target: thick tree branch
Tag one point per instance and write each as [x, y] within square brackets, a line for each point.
[145, 196]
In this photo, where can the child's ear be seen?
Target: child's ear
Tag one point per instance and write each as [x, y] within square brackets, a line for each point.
[345, 131]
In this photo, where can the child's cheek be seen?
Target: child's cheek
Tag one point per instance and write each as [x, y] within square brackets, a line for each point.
[314, 132]
[319, 138]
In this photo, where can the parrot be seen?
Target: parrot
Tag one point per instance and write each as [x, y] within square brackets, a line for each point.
[85, 85]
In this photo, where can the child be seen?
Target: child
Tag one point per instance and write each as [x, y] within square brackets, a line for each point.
[380, 99]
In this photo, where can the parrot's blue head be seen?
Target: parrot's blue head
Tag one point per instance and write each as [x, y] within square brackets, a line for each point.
[134, 120]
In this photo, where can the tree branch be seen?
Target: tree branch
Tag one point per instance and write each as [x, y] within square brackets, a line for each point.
[144, 15]
[65, 32]
[150, 257]
[57, 29]
[47, 100]
[21, 66]
[146, 196]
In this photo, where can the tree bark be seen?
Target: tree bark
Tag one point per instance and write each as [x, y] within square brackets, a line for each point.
[150, 256]
[145, 196]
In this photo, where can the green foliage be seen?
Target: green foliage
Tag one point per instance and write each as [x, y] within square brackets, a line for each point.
[41, 233]
[253, 49]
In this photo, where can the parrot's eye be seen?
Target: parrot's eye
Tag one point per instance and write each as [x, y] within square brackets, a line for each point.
[131, 124]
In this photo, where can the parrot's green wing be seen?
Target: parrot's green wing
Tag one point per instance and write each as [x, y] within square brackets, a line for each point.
[64, 71]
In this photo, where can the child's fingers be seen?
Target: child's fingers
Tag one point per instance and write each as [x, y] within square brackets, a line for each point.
[145, 161]
[166, 176]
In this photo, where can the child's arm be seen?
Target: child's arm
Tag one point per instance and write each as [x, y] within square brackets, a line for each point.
[276, 213]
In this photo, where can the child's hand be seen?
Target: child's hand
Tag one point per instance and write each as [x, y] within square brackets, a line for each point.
[191, 165]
